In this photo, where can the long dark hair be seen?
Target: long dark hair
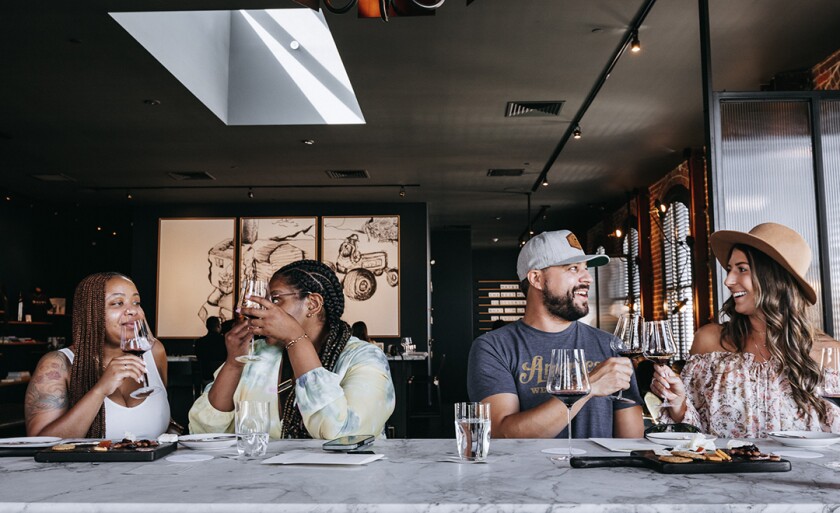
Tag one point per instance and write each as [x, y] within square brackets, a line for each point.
[308, 277]
[790, 336]
[88, 339]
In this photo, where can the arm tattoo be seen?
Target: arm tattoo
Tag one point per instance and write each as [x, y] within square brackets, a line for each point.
[48, 388]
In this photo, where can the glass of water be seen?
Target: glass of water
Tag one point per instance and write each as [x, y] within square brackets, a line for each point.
[472, 430]
[251, 428]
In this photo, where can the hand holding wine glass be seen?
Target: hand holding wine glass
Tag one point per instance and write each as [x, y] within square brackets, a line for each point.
[568, 380]
[256, 287]
[136, 339]
[629, 342]
[660, 346]
[830, 368]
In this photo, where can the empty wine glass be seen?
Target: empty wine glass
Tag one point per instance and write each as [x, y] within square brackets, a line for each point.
[660, 346]
[629, 342]
[256, 287]
[406, 344]
[568, 380]
[830, 368]
[136, 339]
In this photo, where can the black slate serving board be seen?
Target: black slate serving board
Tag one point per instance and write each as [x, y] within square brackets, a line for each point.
[649, 460]
[87, 454]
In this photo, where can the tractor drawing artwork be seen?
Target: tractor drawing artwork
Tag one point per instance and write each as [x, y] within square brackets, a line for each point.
[360, 270]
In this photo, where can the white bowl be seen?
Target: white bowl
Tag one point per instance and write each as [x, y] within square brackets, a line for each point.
[804, 438]
[208, 441]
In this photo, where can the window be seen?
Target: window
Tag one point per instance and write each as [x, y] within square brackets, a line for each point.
[679, 294]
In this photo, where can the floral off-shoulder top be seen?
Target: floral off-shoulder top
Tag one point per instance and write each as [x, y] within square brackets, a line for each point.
[731, 395]
[356, 398]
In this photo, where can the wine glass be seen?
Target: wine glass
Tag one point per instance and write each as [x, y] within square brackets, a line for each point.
[568, 380]
[251, 286]
[660, 346]
[135, 338]
[629, 342]
[830, 368]
[406, 344]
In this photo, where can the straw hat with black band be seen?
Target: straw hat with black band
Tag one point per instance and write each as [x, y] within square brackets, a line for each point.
[786, 247]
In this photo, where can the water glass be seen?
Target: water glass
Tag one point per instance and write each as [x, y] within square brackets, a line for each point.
[251, 428]
[472, 430]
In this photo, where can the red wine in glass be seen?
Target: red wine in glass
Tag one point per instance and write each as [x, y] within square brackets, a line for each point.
[568, 380]
[136, 339]
[628, 342]
[569, 397]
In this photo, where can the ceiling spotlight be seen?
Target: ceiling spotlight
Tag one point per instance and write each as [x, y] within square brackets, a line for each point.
[402, 192]
[545, 182]
[294, 45]
[128, 195]
[8, 198]
[635, 45]
[250, 193]
[152, 102]
[576, 133]
[308, 142]
[495, 239]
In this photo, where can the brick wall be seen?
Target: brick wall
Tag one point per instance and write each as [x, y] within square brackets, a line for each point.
[827, 73]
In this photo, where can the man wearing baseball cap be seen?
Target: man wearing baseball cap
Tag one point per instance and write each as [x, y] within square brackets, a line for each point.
[508, 366]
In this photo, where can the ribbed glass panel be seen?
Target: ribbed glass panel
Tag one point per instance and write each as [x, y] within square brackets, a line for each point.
[830, 123]
[679, 304]
[766, 173]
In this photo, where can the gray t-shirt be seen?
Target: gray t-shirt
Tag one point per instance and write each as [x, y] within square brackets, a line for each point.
[514, 360]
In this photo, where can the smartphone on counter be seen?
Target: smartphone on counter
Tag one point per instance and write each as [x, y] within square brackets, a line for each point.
[348, 443]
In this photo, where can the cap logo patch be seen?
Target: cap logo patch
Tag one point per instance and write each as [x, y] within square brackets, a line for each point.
[573, 242]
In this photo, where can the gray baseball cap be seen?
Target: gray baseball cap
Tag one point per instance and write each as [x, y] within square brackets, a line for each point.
[554, 248]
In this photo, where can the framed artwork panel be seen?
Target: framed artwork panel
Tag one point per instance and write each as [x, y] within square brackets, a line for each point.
[195, 276]
[268, 243]
[364, 251]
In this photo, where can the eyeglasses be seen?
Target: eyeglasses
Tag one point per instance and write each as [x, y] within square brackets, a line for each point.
[275, 297]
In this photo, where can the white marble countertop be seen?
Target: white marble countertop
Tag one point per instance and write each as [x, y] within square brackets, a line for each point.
[412, 478]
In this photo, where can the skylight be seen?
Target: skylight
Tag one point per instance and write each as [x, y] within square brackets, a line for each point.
[252, 67]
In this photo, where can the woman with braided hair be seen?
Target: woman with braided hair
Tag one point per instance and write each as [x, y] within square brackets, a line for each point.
[320, 381]
[84, 390]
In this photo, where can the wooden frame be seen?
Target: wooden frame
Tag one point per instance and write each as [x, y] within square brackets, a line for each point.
[364, 251]
[195, 274]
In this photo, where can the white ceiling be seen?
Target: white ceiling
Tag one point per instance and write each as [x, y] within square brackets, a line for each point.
[432, 90]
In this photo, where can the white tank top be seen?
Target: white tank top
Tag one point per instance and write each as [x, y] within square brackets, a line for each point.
[146, 420]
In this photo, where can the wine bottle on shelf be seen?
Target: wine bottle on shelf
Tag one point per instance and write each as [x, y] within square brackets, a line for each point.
[20, 307]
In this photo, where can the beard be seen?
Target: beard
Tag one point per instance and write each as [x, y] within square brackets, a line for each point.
[564, 306]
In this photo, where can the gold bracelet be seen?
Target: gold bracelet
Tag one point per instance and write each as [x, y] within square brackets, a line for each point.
[294, 341]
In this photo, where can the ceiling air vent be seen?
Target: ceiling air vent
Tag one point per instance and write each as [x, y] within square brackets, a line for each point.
[347, 174]
[505, 172]
[532, 109]
[183, 176]
[55, 177]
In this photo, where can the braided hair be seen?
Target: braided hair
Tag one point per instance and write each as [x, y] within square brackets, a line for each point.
[88, 339]
[308, 277]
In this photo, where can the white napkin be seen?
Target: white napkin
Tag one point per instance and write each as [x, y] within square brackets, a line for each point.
[303, 457]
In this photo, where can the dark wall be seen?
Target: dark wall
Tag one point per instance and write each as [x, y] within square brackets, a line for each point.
[413, 242]
[55, 247]
[452, 279]
[491, 264]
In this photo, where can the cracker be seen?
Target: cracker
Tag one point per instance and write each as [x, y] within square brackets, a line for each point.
[674, 459]
[714, 458]
[689, 454]
[64, 447]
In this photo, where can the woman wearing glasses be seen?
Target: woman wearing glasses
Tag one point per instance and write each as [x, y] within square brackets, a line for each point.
[320, 381]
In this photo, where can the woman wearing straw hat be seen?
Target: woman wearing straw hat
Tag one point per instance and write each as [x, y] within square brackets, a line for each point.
[758, 371]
